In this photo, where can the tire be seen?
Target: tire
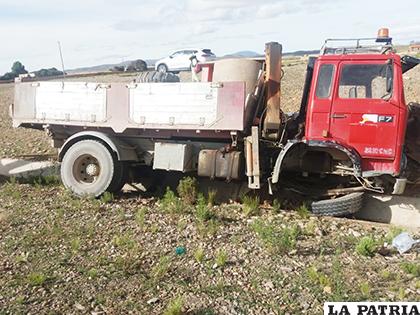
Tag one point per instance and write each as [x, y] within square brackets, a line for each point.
[162, 68]
[156, 77]
[88, 169]
[340, 206]
[140, 65]
[120, 177]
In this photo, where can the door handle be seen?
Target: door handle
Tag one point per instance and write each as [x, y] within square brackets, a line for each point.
[338, 116]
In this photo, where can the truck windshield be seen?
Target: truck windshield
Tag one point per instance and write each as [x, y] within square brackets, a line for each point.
[366, 81]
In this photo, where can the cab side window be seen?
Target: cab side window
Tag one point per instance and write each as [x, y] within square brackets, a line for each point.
[325, 78]
[372, 81]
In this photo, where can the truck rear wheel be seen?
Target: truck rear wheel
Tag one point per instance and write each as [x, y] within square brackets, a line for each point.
[340, 206]
[120, 177]
[88, 169]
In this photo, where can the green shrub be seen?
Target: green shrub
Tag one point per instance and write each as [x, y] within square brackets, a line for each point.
[140, 217]
[174, 307]
[277, 240]
[303, 211]
[161, 269]
[202, 209]
[221, 258]
[250, 205]
[171, 203]
[310, 228]
[124, 241]
[107, 197]
[92, 273]
[393, 232]
[288, 239]
[411, 268]
[75, 245]
[199, 255]
[365, 289]
[36, 278]
[366, 247]
[312, 274]
[211, 197]
[276, 206]
[207, 228]
[187, 190]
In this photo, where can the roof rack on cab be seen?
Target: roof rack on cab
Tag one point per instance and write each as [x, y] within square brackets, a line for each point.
[381, 44]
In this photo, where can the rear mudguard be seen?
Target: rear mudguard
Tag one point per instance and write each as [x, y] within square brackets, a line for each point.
[351, 153]
[122, 151]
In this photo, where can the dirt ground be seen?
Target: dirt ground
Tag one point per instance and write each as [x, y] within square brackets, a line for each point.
[139, 254]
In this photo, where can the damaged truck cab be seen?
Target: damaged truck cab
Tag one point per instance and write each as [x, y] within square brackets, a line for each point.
[358, 102]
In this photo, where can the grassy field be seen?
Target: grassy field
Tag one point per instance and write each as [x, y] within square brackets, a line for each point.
[139, 254]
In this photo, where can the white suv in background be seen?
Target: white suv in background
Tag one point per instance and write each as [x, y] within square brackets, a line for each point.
[180, 60]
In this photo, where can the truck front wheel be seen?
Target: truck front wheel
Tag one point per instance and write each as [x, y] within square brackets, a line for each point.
[340, 206]
[88, 168]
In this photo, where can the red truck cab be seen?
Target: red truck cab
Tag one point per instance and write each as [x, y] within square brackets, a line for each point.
[357, 101]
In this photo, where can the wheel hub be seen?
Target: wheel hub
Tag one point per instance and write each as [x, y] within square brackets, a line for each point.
[86, 169]
[92, 170]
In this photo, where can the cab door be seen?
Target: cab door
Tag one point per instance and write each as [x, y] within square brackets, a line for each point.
[363, 112]
[320, 100]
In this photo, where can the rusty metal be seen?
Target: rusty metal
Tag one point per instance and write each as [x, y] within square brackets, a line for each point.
[342, 191]
[272, 120]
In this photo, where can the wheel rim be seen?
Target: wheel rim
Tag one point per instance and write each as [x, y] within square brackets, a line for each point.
[86, 169]
[162, 68]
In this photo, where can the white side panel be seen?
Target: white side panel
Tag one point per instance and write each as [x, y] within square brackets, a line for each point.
[170, 104]
[71, 101]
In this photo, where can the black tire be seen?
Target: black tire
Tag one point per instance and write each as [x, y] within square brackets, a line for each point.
[120, 177]
[162, 68]
[140, 65]
[156, 77]
[88, 168]
[340, 206]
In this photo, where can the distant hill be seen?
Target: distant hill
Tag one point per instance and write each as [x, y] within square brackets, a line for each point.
[253, 54]
[243, 54]
[300, 53]
[151, 62]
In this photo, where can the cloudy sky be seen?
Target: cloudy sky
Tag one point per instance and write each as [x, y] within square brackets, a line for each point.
[96, 32]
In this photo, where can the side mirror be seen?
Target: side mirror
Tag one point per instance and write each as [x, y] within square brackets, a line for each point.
[171, 56]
